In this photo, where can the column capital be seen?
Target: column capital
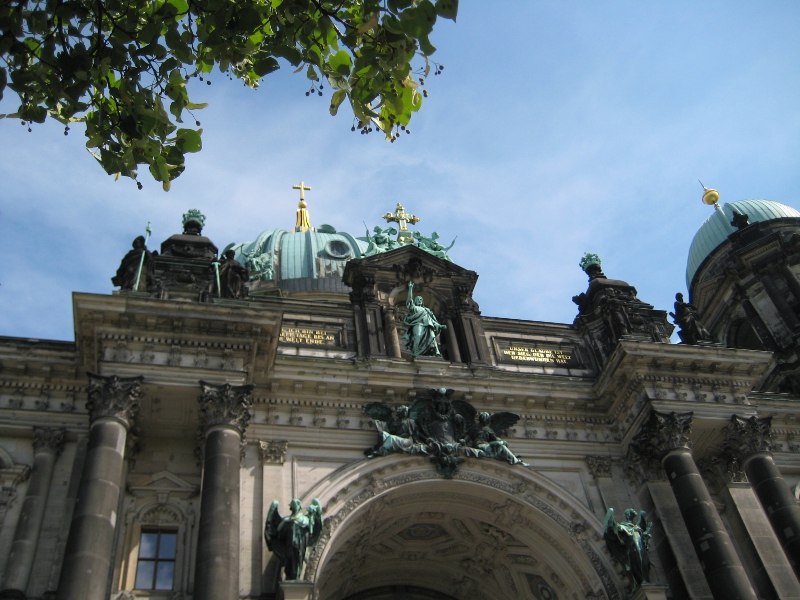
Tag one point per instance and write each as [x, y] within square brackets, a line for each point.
[273, 451]
[225, 404]
[746, 436]
[116, 397]
[599, 466]
[662, 433]
[51, 438]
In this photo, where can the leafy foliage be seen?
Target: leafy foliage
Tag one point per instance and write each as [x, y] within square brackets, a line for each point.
[122, 66]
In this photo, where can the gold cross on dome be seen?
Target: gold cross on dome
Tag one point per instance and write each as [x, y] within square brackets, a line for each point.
[401, 217]
[302, 187]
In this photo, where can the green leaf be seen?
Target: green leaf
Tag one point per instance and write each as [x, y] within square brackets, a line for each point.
[188, 140]
[337, 98]
[265, 66]
[447, 9]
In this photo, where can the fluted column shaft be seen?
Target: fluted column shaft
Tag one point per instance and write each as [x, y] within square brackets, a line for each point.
[778, 502]
[749, 440]
[113, 405]
[665, 438]
[724, 572]
[47, 445]
[225, 412]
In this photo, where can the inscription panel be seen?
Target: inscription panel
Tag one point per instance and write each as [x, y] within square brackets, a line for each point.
[519, 352]
[307, 336]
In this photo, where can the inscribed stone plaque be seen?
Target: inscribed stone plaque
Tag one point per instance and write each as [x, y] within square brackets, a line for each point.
[307, 336]
[526, 353]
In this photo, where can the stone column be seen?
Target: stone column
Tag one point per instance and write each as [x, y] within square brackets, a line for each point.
[390, 325]
[224, 414]
[452, 341]
[113, 405]
[47, 445]
[665, 436]
[749, 441]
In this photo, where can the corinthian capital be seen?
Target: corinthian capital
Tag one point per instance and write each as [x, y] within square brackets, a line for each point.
[662, 433]
[225, 404]
[116, 397]
[744, 437]
[51, 438]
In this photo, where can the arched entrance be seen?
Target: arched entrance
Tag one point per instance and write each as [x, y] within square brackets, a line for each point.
[396, 530]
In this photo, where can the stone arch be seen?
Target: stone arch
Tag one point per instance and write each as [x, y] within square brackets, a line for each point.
[494, 531]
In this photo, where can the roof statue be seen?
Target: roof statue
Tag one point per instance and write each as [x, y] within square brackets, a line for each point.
[686, 317]
[448, 431]
[589, 260]
[135, 272]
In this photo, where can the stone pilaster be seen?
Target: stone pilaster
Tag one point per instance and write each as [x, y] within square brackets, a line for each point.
[47, 445]
[749, 442]
[113, 405]
[665, 436]
[224, 415]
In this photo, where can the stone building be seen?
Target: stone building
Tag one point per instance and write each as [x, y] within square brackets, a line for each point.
[141, 460]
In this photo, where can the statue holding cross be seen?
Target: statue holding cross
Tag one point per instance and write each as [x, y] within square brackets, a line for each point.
[402, 218]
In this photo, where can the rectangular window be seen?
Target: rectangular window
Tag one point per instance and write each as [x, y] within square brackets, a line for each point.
[155, 569]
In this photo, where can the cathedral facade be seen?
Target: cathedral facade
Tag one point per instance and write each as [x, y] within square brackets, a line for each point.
[436, 453]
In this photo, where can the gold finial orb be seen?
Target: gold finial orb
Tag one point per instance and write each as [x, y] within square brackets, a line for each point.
[710, 196]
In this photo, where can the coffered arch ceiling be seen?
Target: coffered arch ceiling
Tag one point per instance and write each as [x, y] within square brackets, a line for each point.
[402, 532]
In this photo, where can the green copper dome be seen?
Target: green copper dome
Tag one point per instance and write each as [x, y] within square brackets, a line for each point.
[717, 228]
[299, 261]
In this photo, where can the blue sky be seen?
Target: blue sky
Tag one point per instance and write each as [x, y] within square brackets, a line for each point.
[556, 128]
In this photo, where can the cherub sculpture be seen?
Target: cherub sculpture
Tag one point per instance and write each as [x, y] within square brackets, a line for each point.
[629, 543]
[484, 436]
[289, 538]
[397, 432]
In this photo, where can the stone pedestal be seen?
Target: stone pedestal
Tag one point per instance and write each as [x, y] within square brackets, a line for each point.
[297, 590]
[650, 591]
[113, 405]
[225, 412]
[47, 445]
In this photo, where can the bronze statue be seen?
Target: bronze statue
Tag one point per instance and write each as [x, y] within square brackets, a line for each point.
[686, 317]
[128, 271]
[485, 436]
[629, 543]
[448, 431]
[289, 538]
[423, 326]
[229, 278]
[396, 433]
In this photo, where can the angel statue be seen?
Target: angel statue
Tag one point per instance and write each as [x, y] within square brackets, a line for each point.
[629, 542]
[289, 538]
[396, 433]
[484, 436]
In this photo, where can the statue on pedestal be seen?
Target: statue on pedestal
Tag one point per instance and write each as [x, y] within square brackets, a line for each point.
[135, 272]
[230, 277]
[629, 543]
[289, 538]
[423, 326]
[685, 317]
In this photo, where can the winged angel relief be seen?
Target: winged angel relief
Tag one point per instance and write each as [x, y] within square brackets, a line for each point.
[446, 430]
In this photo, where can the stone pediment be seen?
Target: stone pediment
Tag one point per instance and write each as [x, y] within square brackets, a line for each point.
[162, 482]
[375, 277]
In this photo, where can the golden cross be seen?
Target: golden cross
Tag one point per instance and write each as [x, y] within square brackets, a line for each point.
[301, 186]
[401, 217]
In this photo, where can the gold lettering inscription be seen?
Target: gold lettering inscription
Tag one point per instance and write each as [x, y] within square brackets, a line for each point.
[543, 355]
[310, 337]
